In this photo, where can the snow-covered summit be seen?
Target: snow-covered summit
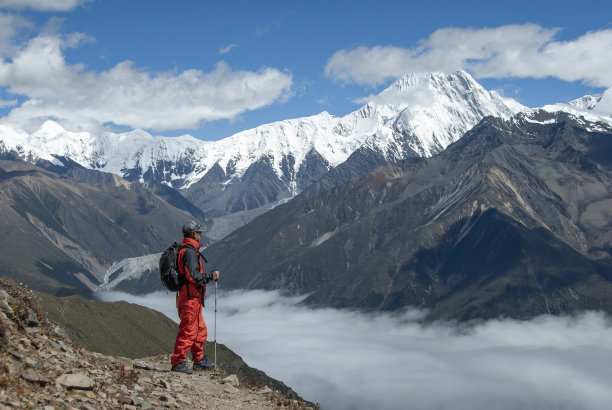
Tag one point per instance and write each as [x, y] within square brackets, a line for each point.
[588, 102]
[587, 109]
[436, 109]
[421, 113]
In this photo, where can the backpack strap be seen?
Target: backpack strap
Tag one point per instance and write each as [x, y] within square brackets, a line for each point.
[192, 247]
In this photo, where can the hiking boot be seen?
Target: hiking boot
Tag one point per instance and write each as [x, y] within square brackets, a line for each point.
[182, 368]
[203, 364]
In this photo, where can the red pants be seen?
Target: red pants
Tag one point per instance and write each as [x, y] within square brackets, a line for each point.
[192, 329]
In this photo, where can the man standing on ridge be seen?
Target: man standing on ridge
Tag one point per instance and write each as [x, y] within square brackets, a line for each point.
[190, 300]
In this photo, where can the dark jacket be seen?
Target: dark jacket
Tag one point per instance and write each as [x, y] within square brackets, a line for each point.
[192, 269]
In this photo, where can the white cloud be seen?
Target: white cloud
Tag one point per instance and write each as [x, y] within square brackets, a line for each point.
[348, 359]
[508, 51]
[227, 48]
[370, 66]
[604, 106]
[42, 5]
[126, 95]
[10, 25]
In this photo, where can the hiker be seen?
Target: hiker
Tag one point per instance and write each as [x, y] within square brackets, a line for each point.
[190, 301]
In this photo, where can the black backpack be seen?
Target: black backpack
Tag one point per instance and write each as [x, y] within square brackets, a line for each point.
[168, 268]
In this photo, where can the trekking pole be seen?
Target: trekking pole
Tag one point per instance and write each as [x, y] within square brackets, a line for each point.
[215, 375]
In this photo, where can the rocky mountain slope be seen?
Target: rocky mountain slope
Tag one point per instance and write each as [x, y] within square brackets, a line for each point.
[419, 115]
[42, 367]
[63, 229]
[511, 220]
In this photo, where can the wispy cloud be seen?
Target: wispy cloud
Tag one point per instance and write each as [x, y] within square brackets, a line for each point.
[277, 24]
[42, 5]
[126, 95]
[227, 48]
[347, 359]
[262, 30]
[7, 103]
[526, 50]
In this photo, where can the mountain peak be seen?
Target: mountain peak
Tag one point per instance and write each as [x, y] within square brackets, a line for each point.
[50, 128]
[588, 102]
[434, 80]
[434, 109]
[428, 90]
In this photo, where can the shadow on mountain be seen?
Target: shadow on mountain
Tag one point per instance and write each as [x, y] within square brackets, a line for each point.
[500, 268]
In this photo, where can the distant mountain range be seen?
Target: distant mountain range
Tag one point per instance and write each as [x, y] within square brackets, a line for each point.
[436, 194]
[63, 227]
[511, 220]
[514, 219]
[237, 178]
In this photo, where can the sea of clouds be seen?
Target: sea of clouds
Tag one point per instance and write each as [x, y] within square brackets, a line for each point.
[345, 359]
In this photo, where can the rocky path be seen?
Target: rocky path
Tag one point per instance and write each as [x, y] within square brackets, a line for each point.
[41, 368]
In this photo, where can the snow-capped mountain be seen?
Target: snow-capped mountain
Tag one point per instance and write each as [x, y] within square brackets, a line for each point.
[430, 111]
[588, 102]
[418, 115]
[436, 108]
[460, 235]
[586, 110]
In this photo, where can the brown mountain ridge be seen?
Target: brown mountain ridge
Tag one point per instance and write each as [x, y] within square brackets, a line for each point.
[62, 231]
[511, 220]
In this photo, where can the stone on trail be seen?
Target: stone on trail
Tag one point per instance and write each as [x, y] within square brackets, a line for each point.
[75, 381]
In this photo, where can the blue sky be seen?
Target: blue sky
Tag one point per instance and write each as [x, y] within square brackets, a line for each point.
[212, 69]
